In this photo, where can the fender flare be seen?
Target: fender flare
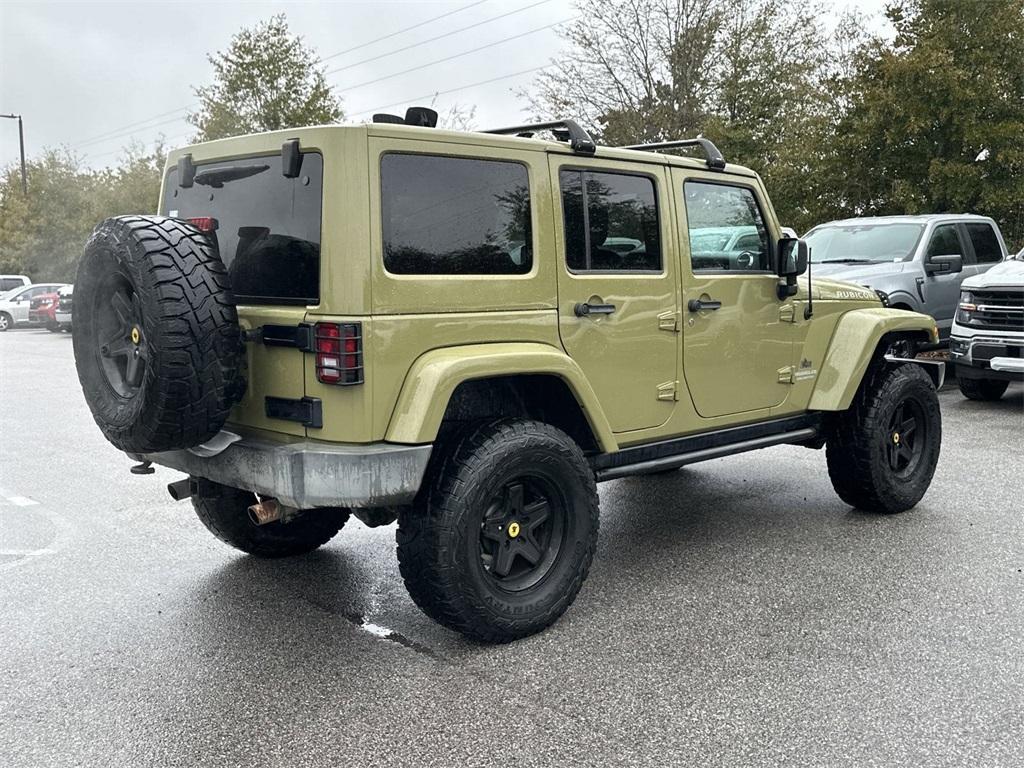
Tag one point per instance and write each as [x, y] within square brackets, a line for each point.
[434, 376]
[905, 297]
[852, 348]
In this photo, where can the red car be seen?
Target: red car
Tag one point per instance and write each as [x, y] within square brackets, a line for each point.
[43, 311]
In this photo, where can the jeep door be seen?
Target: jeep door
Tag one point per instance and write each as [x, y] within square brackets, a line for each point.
[617, 285]
[736, 334]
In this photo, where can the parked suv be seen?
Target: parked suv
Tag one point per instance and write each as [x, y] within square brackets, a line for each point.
[916, 262]
[987, 346]
[392, 321]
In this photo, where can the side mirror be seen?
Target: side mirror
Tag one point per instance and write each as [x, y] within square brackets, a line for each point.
[792, 258]
[945, 265]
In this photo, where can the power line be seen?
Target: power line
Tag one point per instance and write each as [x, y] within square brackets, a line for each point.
[131, 125]
[404, 29]
[457, 55]
[129, 132]
[434, 94]
[109, 135]
[435, 38]
[410, 100]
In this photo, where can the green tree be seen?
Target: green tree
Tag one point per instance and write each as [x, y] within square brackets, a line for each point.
[266, 80]
[748, 74]
[936, 117]
[42, 233]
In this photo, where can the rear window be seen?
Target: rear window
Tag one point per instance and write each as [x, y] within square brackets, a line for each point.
[455, 216]
[268, 226]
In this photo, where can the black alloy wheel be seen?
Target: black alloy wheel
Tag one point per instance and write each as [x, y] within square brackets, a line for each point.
[122, 348]
[906, 437]
[522, 532]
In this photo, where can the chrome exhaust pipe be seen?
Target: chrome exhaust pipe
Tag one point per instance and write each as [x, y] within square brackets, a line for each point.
[264, 512]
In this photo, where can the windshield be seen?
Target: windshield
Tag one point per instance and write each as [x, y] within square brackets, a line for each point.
[863, 243]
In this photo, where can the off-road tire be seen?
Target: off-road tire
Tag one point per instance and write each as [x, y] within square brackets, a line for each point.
[982, 389]
[439, 535]
[857, 448]
[224, 512]
[6, 322]
[164, 278]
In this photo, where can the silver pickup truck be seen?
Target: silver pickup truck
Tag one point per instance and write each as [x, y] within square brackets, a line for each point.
[917, 262]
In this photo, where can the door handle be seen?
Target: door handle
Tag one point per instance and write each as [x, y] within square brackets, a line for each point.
[583, 309]
[696, 305]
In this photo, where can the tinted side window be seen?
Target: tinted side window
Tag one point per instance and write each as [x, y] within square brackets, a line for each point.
[985, 242]
[611, 222]
[945, 242]
[727, 230]
[455, 216]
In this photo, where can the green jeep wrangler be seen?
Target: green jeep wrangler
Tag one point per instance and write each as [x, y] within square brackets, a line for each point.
[467, 332]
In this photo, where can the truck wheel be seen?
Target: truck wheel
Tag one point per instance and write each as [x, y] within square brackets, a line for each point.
[156, 336]
[982, 389]
[501, 536]
[882, 453]
[5, 321]
[225, 513]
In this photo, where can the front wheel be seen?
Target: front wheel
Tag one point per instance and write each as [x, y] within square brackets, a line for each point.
[883, 450]
[982, 389]
[5, 321]
[501, 537]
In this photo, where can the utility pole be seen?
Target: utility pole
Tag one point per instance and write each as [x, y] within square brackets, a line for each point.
[21, 144]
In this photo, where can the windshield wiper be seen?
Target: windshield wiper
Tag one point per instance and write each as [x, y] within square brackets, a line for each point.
[217, 176]
[826, 261]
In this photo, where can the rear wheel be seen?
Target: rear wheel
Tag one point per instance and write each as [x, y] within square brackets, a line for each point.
[883, 450]
[982, 389]
[502, 536]
[225, 513]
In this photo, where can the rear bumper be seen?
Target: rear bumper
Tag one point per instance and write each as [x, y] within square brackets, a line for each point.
[307, 474]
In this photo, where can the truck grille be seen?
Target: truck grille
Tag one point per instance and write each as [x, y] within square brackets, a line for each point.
[1001, 310]
[64, 305]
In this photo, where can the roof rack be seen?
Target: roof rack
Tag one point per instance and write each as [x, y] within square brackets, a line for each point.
[714, 157]
[564, 130]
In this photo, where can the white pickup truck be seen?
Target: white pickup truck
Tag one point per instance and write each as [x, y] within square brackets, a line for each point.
[987, 341]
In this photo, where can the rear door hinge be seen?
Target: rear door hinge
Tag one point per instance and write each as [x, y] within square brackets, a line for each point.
[668, 391]
[669, 321]
[787, 313]
[786, 375]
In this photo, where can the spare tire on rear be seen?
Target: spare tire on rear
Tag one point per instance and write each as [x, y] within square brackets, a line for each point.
[156, 335]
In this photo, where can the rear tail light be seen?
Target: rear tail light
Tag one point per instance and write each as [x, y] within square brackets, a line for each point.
[205, 224]
[339, 353]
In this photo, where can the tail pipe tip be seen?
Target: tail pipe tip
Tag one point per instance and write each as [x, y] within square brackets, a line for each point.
[263, 512]
[180, 489]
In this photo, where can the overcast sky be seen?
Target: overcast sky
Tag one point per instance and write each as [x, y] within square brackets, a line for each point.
[93, 76]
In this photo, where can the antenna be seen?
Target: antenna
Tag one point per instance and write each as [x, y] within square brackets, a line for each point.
[809, 309]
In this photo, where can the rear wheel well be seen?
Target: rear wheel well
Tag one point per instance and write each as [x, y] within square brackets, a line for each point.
[542, 397]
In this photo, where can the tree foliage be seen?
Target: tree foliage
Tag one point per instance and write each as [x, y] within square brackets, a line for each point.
[42, 233]
[936, 117]
[839, 122]
[266, 80]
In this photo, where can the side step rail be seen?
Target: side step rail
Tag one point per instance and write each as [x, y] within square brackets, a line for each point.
[671, 454]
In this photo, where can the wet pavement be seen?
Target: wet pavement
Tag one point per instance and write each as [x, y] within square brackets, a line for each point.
[737, 613]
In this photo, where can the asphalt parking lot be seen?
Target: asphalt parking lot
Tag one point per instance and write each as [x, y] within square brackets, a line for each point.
[737, 613]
